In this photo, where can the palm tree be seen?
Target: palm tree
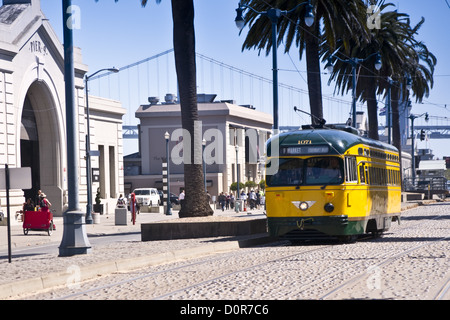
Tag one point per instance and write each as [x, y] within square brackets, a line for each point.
[366, 78]
[196, 201]
[401, 54]
[422, 79]
[387, 42]
[341, 19]
[396, 43]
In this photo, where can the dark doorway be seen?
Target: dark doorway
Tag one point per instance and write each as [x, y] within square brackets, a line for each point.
[29, 148]
[30, 158]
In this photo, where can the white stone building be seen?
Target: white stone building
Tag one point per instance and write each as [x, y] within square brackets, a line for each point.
[32, 112]
[223, 124]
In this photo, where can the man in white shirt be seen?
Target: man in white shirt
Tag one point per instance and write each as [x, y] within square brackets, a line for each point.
[181, 198]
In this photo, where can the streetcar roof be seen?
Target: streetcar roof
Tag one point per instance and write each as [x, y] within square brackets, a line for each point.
[338, 140]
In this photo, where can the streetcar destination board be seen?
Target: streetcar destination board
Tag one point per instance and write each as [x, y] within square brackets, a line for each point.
[298, 150]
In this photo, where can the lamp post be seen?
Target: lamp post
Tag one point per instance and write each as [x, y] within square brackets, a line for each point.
[169, 205]
[237, 177]
[74, 240]
[413, 160]
[354, 62]
[204, 163]
[89, 219]
[389, 108]
[389, 115]
[274, 15]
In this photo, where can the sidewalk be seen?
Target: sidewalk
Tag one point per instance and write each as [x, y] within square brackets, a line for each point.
[32, 272]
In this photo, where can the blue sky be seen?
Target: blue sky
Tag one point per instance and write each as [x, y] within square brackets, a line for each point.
[118, 34]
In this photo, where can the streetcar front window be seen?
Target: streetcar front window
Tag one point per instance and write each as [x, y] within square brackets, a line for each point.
[310, 171]
[290, 173]
[324, 170]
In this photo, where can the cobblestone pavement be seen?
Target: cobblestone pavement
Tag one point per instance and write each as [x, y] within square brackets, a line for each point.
[411, 261]
[29, 272]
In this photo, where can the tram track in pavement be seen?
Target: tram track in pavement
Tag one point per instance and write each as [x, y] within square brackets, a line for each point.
[387, 259]
[318, 246]
[361, 238]
[363, 276]
[234, 254]
[275, 260]
[323, 247]
[443, 291]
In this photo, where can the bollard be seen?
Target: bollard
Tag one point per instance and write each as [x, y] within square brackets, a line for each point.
[120, 217]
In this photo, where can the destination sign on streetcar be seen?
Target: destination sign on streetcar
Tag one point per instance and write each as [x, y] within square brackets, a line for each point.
[299, 150]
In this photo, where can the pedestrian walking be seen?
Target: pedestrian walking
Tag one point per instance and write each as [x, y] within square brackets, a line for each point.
[243, 198]
[252, 199]
[181, 198]
[121, 202]
[222, 201]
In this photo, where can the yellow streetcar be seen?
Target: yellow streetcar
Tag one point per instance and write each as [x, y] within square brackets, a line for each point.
[331, 182]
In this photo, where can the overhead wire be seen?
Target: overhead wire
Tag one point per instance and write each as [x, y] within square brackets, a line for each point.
[346, 57]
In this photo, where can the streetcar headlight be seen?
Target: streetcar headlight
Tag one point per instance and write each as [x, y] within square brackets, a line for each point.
[303, 206]
[329, 207]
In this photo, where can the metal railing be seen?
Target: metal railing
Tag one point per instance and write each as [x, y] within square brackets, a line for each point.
[429, 185]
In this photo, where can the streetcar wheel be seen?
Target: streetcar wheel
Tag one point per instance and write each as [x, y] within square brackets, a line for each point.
[377, 234]
[25, 231]
[348, 239]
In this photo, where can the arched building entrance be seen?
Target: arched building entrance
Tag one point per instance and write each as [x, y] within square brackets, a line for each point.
[40, 144]
[33, 115]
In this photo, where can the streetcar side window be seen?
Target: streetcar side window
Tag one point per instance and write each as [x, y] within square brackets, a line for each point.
[366, 169]
[362, 177]
[351, 172]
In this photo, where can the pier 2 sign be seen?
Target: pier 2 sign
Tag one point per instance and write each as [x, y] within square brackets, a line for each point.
[37, 46]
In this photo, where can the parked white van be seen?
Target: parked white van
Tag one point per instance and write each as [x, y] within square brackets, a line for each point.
[147, 197]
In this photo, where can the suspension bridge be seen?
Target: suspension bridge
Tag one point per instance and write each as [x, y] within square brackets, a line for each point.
[155, 76]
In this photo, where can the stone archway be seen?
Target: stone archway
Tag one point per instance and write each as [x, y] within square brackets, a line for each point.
[40, 144]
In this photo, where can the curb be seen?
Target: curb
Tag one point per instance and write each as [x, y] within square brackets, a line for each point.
[409, 206]
[71, 277]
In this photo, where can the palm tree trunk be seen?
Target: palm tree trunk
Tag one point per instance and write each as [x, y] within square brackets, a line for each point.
[396, 138]
[313, 69]
[196, 201]
[372, 111]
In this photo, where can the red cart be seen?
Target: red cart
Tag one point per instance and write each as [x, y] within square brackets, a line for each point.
[38, 220]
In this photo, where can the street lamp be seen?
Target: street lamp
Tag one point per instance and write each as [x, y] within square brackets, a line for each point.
[354, 62]
[89, 219]
[204, 163]
[413, 161]
[389, 108]
[237, 178]
[274, 15]
[74, 240]
[169, 205]
[391, 82]
[408, 82]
